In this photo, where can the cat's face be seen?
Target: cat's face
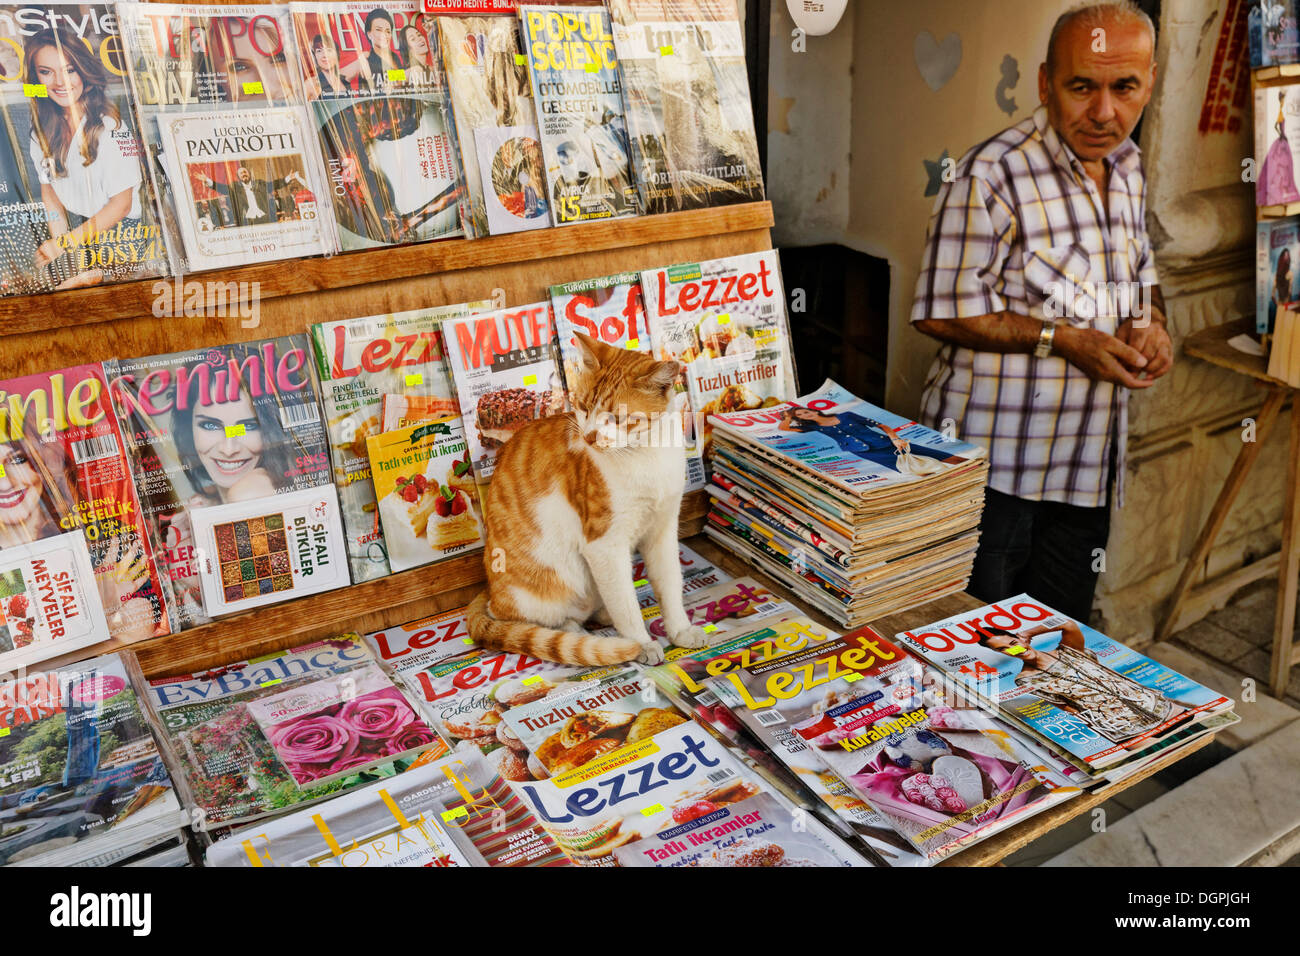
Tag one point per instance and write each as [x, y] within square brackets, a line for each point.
[620, 396]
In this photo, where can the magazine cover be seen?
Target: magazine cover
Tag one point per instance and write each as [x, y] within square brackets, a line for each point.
[686, 98]
[418, 644]
[359, 362]
[496, 126]
[571, 727]
[578, 91]
[1273, 33]
[64, 473]
[226, 131]
[329, 728]
[244, 189]
[467, 696]
[725, 321]
[79, 770]
[395, 822]
[760, 831]
[504, 369]
[228, 769]
[487, 810]
[378, 94]
[1277, 140]
[230, 456]
[1087, 695]
[851, 445]
[608, 309]
[420, 477]
[48, 600]
[731, 605]
[678, 775]
[71, 217]
[858, 704]
[1277, 269]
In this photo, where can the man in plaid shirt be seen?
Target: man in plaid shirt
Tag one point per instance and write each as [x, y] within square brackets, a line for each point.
[1039, 279]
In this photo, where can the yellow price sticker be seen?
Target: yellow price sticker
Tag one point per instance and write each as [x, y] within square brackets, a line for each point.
[235, 431]
[453, 814]
[651, 811]
[271, 683]
[413, 378]
[253, 87]
[533, 680]
[1016, 649]
[520, 59]
[724, 319]
[530, 379]
[637, 584]
[665, 51]
[634, 343]
[710, 628]
[2, 471]
[852, 677]
[466, 640]
[396, 76]
[35, 89]
[592, 67]
[4, 731]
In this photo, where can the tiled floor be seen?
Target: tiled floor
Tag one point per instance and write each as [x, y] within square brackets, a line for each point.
[1241, 636]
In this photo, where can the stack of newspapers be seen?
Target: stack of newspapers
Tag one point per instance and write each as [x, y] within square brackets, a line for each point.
[858, 511]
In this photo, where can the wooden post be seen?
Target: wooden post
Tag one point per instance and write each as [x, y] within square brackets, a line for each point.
[1284, 622]
[1223, 504]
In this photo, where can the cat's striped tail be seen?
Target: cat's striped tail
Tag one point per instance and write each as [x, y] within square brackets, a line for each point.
[547, 643]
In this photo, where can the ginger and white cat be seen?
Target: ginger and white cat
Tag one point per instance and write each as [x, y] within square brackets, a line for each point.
[572, 496]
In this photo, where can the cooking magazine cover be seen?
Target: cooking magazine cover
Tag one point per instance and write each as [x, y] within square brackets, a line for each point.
[230, 459]
[942, 780]
[228, 770]
[467, 696]
[577, 89]
[390, 823]
[503, 366]
[79, 771]
[74, 210]
[572, 726]
[1277, 270]
[428, 504]
[760, 831]
[327, 729]
[227, 133]
[1086, 695]
[418, 644]
[850, 445]
[686, 98]
[731, 605]
[725, 320]
[65, 479]
[496, 125]
[359, 361]
[679, 775]
[376, 88]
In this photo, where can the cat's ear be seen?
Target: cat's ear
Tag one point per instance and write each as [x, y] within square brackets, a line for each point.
[588, 352]
[662, 376]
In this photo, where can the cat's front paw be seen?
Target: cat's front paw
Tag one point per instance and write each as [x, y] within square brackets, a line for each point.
[651, 653]
[695, 636]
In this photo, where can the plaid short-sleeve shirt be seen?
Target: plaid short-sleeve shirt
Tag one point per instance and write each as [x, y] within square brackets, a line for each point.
[1021, 228]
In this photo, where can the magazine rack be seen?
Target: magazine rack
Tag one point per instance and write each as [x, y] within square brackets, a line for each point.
[281, 298]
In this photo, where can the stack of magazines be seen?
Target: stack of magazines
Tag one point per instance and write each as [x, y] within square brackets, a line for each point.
[1103, 707]
[81, 780]
[858, 511]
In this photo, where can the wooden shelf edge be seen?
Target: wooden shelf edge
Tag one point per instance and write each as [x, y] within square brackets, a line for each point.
[277, 626]
[73, 307]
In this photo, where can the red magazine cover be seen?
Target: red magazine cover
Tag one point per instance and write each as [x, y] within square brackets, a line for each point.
[63, 472]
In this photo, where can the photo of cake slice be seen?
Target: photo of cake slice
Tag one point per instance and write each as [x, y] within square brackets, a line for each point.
[424, 521]
[452, 525]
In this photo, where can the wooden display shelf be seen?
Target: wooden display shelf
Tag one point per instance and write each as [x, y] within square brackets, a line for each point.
[222, 288]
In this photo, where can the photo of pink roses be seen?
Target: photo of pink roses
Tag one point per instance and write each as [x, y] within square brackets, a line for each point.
[326, 729]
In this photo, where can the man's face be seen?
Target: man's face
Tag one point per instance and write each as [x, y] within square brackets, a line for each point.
[244, 174]
[1100, 83]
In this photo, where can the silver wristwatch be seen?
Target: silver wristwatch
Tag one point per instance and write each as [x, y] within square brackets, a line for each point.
[1044, 347]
